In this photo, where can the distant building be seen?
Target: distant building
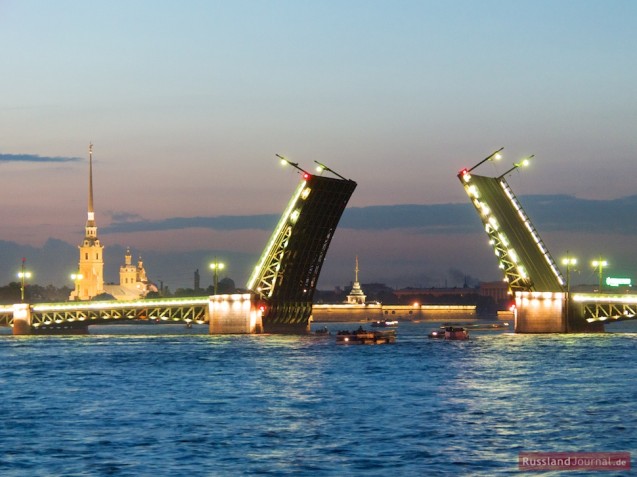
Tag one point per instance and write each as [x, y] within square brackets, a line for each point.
[356, 296]
[133, 282]
[499, 291]
[89, 280]
[435, 292]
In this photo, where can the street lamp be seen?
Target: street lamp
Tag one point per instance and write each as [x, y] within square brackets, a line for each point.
[23, 275]
[322, 167]
[600, 264]
[568, 261]
[523, 163]
[215, 267]
[494, 155]
[285, 161]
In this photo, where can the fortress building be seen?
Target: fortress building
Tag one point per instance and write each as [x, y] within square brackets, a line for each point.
[89, 280]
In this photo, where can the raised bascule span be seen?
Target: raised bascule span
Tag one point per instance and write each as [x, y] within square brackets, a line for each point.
[288, 271]
[281, 287]
[543, 302]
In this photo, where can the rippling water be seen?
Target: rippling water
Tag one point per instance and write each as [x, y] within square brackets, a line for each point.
[124, 402]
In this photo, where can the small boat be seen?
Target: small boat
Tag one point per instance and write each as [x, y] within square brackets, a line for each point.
[437, 334]
[456, 333]
[384, 323]
[323, 331]
[362, 336]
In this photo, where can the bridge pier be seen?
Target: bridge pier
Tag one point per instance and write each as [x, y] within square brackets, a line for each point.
[235, 314]
[22, 319]
[550, 312]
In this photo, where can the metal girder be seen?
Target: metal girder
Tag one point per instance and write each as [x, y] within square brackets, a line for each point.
[613, 311]
[522, 255]
[290, 264]
[506, 257]
[176, 310]
[6, 319]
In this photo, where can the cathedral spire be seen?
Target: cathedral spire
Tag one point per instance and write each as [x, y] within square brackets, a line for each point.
[91, 264]
[356, 275]
[91, 228]
[91, 211]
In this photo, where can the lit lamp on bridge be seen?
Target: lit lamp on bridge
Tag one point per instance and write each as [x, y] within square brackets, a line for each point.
[569, 262]
[523, 163]
[599, 264]
[285, 162]
[23, 275]
[215, 267]
[495, 155]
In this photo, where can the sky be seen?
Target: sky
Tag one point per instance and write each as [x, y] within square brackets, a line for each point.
[187, 103]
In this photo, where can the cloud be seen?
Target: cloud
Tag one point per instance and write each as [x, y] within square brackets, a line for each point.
[547, 212]
[35, 158]
[126, 223]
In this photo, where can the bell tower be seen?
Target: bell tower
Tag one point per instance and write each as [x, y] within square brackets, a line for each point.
[90, 277]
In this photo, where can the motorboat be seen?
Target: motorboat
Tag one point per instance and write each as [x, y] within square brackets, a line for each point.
[361, 336]
[323, 331]
[384, 323]
[456, 333]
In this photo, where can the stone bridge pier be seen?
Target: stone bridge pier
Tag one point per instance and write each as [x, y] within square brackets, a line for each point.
[551, 312]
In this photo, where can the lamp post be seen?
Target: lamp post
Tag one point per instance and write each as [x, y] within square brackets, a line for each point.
[599, 264]
[77, 277]
[494, 155]
[215, 267]
[568, 261]
[523, 163]
[23, 275]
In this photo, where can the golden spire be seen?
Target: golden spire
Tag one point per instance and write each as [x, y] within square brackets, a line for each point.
[91, 211]
[91, 228]
[356, 276]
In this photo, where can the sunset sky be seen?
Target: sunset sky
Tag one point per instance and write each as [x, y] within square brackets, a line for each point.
[187, 104]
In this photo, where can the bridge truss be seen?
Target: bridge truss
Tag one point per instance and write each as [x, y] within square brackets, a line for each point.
[82, 314]
[524, 259]
[603, 307]
[288, 270]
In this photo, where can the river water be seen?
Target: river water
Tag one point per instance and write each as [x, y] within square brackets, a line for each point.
[159, 400]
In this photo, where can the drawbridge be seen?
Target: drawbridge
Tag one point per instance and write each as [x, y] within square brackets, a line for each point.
[282, 285]
[543, 299]
[287, 273]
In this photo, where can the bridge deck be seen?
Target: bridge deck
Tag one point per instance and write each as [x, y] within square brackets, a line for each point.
[507, 223]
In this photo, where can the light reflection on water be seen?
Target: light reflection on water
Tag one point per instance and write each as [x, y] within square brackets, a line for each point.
[136, 401]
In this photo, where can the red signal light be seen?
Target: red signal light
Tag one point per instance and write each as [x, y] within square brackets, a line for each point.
[306, 176]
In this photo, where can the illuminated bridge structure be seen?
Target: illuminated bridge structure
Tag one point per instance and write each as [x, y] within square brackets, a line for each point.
[77, 316]
[282, 284]
[543, 301]
[287, 273]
